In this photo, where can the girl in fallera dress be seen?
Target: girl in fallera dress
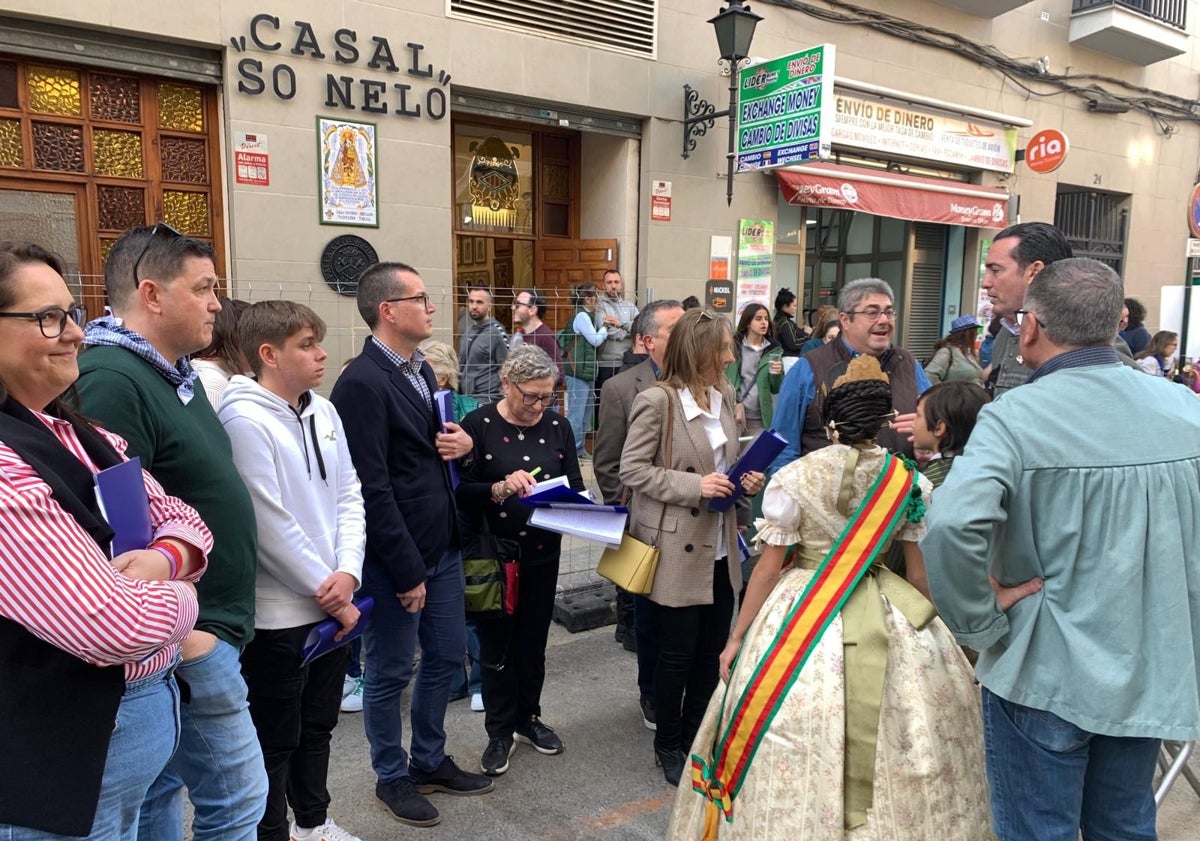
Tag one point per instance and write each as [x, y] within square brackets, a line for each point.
[861, 726]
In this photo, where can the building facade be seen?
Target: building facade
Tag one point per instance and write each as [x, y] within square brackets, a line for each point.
[519, 143]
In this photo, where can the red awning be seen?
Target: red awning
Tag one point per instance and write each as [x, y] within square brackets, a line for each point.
[890, 194]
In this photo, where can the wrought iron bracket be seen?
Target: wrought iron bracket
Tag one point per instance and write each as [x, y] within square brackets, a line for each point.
[698, 117]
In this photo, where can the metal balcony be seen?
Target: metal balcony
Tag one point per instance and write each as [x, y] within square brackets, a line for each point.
[1138, 31]
[983, 8]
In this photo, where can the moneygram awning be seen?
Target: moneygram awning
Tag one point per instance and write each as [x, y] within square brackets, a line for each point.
[891, 194]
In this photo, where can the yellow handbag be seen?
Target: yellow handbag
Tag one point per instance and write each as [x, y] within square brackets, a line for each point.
[632, 565]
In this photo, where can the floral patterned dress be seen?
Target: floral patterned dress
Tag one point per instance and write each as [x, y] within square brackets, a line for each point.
[929, 778]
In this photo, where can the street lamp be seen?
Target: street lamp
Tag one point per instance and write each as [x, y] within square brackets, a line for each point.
[735, 30]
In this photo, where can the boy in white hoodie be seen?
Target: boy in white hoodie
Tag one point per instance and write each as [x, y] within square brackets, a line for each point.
[290, 449]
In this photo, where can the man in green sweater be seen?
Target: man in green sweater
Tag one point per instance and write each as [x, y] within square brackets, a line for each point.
[136, 380]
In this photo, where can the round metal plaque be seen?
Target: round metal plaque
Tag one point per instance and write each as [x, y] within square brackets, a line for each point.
[344, 259]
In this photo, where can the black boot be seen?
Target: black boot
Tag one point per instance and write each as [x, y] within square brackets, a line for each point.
[672, 761]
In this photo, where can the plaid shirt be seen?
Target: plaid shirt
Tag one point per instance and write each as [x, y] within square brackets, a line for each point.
[411, 368]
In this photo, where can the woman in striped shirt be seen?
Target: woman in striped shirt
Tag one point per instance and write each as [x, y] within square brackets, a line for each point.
[88, 645]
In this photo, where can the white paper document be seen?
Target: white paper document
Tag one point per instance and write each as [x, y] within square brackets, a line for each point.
[590, 523]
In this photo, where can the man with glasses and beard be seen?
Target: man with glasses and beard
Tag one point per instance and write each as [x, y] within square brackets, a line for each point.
[867, 312]
[135, 379]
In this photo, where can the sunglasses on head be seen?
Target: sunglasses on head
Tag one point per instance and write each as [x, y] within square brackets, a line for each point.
[159, 229]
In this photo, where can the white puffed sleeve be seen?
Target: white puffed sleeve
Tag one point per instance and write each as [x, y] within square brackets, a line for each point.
[780, 523]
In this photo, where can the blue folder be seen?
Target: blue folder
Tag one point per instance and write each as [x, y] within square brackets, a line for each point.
[757, 458]
[443, 399]
[121, 492]
[320, 639]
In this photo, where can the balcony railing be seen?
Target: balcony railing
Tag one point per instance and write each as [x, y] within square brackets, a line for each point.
[1171, 12]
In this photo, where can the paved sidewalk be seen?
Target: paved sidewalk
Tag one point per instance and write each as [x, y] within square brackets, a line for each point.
[604, 786]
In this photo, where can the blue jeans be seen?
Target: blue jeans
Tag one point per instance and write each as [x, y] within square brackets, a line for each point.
[143, 740]
[1049, 779]
[218, 758]
[390, 641]
[579, 409]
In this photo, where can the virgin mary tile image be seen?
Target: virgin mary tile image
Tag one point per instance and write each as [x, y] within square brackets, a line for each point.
[348, 170]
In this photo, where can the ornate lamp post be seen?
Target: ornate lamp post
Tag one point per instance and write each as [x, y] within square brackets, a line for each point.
[735, 30]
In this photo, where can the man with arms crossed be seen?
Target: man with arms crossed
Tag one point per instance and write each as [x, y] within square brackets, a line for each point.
[135, 379]
[413, 566]
[616, 315]
[1068, 557]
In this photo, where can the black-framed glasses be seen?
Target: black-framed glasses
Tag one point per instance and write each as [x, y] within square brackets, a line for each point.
[532, 399]
[522, 304]
[422, 299]
[160, 228]
[875, 313]
[1020, 314]
[52, 321]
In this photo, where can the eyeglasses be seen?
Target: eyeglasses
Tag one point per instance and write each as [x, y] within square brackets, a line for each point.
[533, 399]
[1021, 315]
[522, 304]
[53, 320]
[159, 228]
[422, 299]
[875, 313]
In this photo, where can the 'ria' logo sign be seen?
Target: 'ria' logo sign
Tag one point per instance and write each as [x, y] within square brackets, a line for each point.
[1046, 151]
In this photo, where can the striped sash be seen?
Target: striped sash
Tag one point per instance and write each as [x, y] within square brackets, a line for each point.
[720, 778]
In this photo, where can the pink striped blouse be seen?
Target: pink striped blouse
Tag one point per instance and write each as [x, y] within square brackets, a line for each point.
[57, 584]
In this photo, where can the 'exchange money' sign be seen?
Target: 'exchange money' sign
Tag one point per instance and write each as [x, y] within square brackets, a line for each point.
[785, 109]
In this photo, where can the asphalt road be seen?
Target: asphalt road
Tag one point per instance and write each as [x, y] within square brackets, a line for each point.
[604, 786]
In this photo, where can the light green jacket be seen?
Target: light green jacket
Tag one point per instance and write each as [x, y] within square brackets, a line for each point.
[768, 383]
[1056, 483]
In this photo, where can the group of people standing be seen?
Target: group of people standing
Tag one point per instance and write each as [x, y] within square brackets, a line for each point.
[848, 708]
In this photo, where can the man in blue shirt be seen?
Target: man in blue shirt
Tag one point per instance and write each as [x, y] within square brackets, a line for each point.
[1067, 555]
[866, 309]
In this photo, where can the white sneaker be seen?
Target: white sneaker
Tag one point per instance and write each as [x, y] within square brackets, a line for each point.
[328, 831]
[352, 702]
[349, 684]
[477, 703]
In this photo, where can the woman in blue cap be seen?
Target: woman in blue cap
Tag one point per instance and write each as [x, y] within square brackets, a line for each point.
[955, 357]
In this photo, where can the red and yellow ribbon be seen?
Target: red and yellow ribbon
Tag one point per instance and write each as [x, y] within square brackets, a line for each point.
[720, 778]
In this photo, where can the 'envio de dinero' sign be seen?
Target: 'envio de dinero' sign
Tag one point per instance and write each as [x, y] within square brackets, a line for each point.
[349, 49]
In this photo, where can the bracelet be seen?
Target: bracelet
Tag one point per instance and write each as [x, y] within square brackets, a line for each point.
[172, 554]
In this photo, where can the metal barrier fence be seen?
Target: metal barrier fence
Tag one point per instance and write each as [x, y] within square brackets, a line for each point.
[347, 332]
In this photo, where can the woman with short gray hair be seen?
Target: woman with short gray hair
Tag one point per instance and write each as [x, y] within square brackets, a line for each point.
[519, 441]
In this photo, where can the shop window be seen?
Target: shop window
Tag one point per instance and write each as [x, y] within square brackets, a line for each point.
[1094, 223]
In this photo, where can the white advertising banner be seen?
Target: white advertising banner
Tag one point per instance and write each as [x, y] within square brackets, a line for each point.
[887, 127]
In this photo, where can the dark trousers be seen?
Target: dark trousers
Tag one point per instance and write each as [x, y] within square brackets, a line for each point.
[645, 619]
[513, 651]
[690, 640]
[294, 711]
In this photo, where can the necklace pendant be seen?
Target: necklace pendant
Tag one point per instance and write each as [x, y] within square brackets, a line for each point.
[520, 436]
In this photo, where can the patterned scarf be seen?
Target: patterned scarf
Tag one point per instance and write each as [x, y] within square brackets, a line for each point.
[108, 331]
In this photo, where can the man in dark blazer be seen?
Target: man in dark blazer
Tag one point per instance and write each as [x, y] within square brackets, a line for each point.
[635, 617]
[413, 566]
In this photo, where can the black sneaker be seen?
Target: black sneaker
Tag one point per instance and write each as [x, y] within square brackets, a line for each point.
[403, 803]
[648, 718]
[543, 739]
[495, 758]
[448, 778]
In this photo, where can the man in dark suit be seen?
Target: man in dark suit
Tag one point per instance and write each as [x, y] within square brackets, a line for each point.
[413, 566]
[616, 400]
